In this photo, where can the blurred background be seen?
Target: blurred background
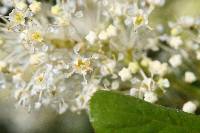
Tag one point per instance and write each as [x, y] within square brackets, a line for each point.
[17, 120]
[173, 9]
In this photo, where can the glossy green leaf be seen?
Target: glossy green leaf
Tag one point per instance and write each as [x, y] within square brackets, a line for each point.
[111, 112]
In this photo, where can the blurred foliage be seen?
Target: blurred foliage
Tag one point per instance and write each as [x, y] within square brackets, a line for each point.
[173, 9]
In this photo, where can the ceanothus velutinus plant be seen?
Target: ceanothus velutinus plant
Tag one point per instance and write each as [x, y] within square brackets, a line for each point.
[60, 54]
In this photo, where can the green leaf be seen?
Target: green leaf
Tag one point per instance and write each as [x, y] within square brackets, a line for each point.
[111, 112]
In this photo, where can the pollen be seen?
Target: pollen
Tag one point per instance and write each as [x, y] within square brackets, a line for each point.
[139, 20]
[19, 18]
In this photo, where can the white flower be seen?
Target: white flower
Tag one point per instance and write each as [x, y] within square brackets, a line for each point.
[35, 6]
[156, 67]
[186, 21]
[111, 31]
[147, 83]
[125, 74]
[40, 78]
[145, 62]
[36, 36]
[63, 20]
[140, 19]
[190, 77]
[46, 55]
[150, 97]
[164, 83]
[21, 5]
[91, 37]
[87, 92]
[189, 107]
[175, 42]
[103, 35]
[133, 67]
[116, 9]
[82, 65]
[175, 60]
[108, 67]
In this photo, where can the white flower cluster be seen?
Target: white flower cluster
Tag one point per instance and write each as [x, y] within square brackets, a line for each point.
[59, 55]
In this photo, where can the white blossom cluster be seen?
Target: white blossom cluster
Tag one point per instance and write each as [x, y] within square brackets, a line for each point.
[180, 48]
[59, 54]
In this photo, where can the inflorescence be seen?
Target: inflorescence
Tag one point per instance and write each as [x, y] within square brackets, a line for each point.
[59, 55]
